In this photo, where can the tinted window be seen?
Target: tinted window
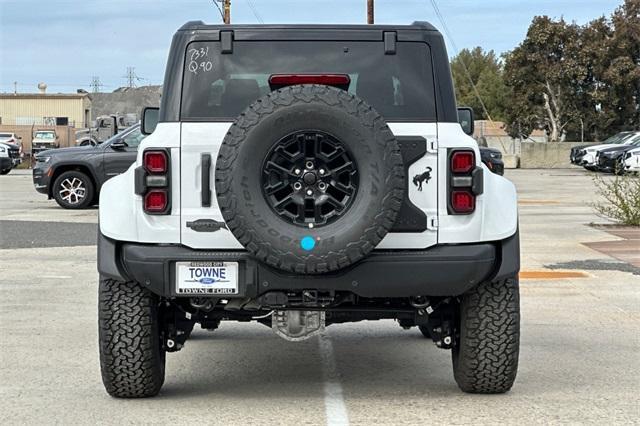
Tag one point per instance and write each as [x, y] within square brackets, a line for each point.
[219, 86]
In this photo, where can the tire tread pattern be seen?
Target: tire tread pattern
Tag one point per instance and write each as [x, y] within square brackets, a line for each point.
[486, 358]
[131, 360]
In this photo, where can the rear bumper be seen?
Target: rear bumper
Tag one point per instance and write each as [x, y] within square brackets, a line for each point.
[444, 270]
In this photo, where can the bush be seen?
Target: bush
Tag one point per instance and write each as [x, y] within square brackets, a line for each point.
[621, 198]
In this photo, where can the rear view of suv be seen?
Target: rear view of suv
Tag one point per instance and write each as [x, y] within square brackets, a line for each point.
[304, 176]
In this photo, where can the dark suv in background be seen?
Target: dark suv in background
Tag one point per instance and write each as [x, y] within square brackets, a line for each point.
[492, 158]
[73, 176]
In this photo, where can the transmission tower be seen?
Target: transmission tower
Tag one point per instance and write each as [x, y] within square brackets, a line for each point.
[131, 77]
[95, 84]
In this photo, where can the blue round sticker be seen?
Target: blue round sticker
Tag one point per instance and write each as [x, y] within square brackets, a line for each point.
[307, 243]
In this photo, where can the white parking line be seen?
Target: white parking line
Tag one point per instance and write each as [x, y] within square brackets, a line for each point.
[335, 408]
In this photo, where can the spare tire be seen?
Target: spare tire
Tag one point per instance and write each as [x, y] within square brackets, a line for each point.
[309, 179]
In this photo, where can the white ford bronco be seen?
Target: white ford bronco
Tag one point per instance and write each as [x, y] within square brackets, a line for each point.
[303, 176]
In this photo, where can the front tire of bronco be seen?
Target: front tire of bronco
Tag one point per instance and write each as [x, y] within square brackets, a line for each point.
[132, 359]
[485, 354]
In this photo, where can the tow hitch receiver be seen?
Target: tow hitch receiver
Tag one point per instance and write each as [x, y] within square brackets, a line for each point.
[296, 326]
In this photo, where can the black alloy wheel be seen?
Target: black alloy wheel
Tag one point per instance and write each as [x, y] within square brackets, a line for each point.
[309, 178]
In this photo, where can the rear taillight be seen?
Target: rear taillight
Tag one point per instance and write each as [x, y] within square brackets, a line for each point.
[156, 201]
[155, 162]
[462, 161]
[463, 201]
[281, 80]
[152, 181]
[465, 181]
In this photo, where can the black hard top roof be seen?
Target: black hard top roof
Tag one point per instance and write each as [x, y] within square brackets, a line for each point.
[200, 26]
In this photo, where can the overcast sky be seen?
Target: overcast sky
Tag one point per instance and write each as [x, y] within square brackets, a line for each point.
[66, 42]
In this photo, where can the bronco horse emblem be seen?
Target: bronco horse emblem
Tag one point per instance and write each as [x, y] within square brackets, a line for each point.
[418, 180]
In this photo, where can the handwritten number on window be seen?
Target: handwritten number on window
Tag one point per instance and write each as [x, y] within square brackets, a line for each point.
[198, 60]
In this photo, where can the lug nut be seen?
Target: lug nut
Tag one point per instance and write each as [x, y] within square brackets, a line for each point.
[170, 343]
[309, 164]
[297, 171]
[309, 192]
[447, 340]
[297, 186]
[322, 186]
[322, 171]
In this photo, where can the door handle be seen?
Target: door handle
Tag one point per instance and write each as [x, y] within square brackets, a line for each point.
[205, 180]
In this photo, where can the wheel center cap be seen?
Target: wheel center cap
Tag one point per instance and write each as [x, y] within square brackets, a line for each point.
[309, 178]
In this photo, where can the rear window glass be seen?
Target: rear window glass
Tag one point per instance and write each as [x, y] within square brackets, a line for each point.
[219, 86]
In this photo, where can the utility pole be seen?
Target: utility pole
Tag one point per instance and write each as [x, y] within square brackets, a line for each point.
[370, 12]
[95, 84]
[15, 87]
[227, 11]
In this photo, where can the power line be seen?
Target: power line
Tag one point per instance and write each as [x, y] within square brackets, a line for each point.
[255, 12]
[215, 2]
[455, 49]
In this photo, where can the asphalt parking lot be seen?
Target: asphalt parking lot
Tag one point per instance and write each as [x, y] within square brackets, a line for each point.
[579, 362]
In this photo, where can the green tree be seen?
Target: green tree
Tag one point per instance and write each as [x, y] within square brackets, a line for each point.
[622, 73]
[543, 73]
[485, 70]
[567, 78]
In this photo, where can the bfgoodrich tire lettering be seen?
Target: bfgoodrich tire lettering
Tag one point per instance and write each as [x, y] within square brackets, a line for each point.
[485, 356]
[131, 357]
[239, 170]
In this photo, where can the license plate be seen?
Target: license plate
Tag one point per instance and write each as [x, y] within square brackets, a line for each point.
[209, 278]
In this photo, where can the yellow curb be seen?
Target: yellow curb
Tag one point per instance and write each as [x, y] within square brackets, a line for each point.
[547, 275]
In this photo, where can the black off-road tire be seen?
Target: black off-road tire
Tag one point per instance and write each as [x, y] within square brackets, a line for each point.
[373, 211]
[485, 354]
[88, 190]
[132, 359]
[5, 172]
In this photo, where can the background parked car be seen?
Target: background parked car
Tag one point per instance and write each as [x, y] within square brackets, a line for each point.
[492, 158]
[43, 140]
[630, 162]
[589, 160]
[607, 160]
[12, 139]
[9, 157]
[577, 152]
[73, 176]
